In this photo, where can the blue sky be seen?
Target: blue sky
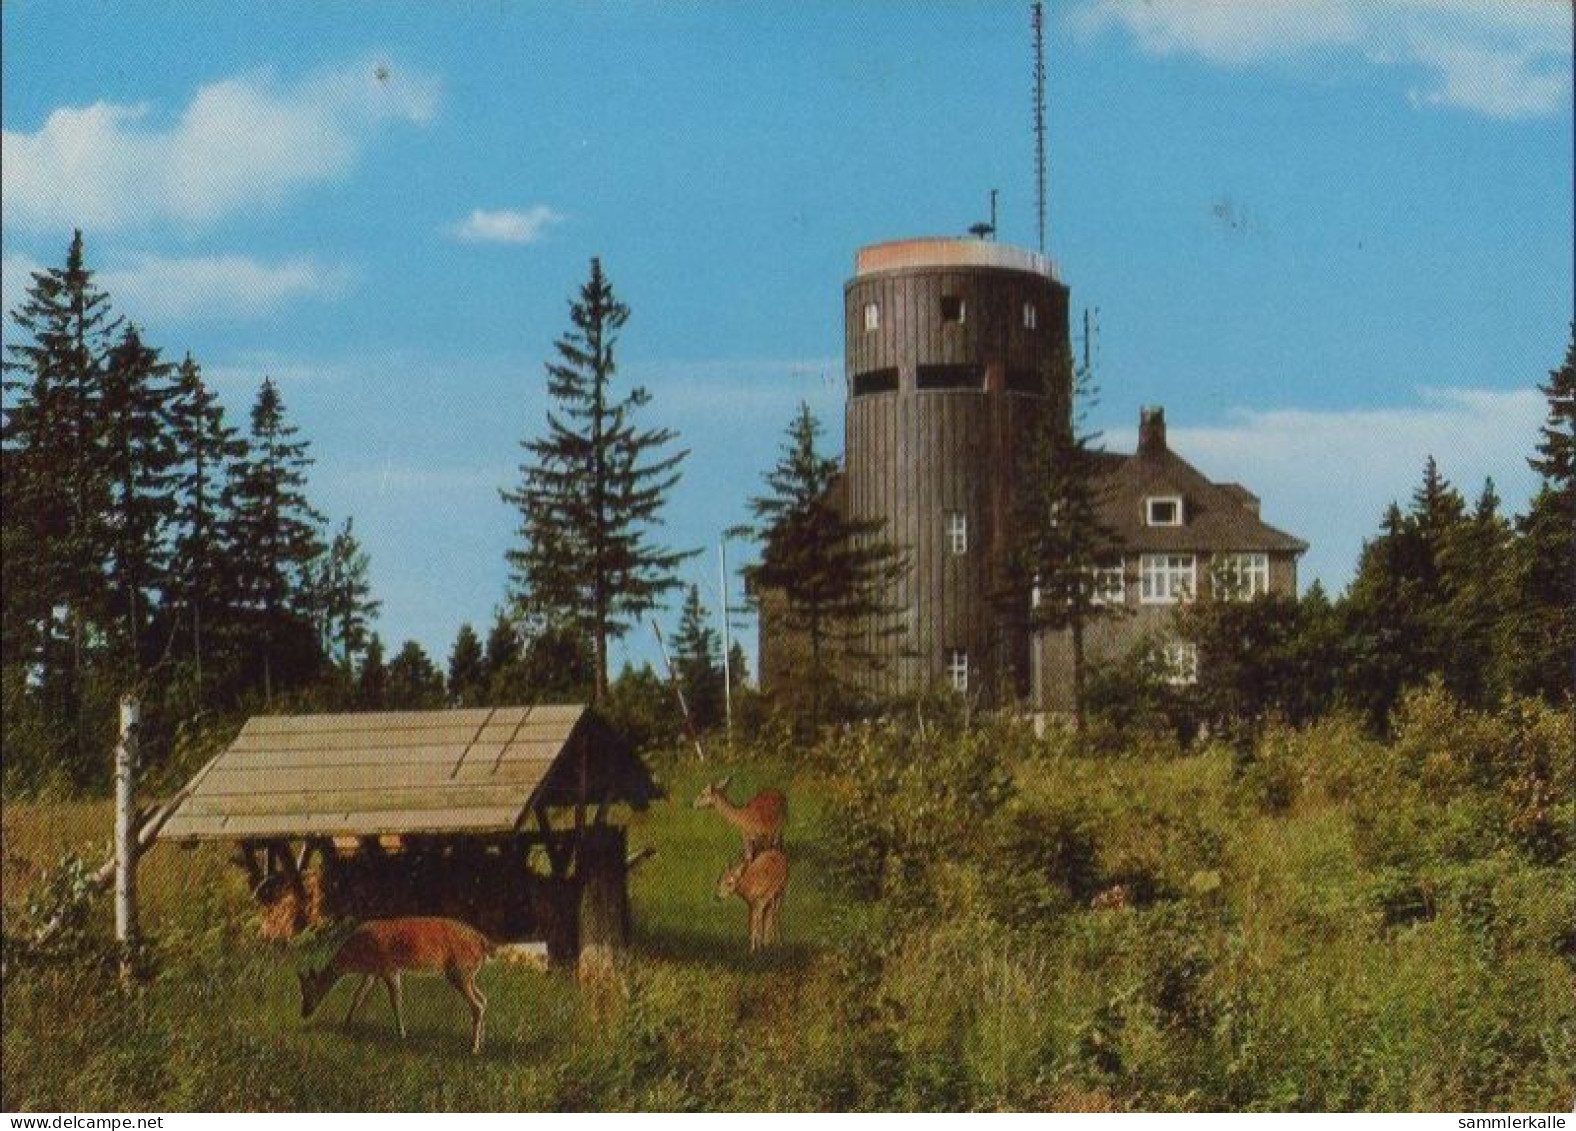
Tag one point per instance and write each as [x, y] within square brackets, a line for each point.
[1330, 237]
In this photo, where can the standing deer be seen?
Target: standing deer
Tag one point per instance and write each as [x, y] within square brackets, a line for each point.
[759, 820]
[760, 881]
[383, 948]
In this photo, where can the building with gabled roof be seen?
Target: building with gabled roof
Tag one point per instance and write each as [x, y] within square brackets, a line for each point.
[1180, 537]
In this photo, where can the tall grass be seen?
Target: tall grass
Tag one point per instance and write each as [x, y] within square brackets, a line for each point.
[974, 920]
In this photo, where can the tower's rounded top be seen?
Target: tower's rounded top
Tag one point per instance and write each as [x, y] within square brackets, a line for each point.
[946, 251]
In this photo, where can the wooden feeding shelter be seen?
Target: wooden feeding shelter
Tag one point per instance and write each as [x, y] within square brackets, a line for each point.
[502, 817]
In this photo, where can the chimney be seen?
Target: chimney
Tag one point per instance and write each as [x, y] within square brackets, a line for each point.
[1151, 431]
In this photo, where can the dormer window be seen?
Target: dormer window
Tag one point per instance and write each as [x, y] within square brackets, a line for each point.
[872, 317]
[1163, 510]
[953, 309]
[1031, 316]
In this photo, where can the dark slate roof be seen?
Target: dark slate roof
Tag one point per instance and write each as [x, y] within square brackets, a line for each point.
[1217, 517]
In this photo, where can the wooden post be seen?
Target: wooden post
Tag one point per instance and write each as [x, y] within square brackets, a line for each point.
[604, 919]
[126, 831]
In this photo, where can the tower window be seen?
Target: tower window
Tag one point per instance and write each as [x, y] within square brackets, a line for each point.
[949, 377]
[953, 309]
[958, 669]
[1031, 316]
[872, 316]
[958, 532]
[1165, 510]
[875, 381]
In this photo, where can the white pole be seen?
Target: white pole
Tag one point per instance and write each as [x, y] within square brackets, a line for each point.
[126, 827]
[727, 646]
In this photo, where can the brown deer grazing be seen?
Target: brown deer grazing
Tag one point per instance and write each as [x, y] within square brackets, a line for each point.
[760, 881]
[759, 820]
[383, 948]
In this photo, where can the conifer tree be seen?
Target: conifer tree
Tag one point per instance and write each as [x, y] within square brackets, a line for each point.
[467, 670]
[206, 445]
[592, 489]
[345, 601]
[140, 464]
[57, 492]
[738, 667]
[372, 680]
[413, 681]
[1556, 459]
[696, 660]
[273, 539]
[501, 656]
[1062, 540]
[1538, 633]
[1473, 561]
[833, 574]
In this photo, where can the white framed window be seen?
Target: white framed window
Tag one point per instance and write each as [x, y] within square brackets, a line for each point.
[957, 532]
[1181, 660]
[1031, 316]
[872, 316]
[954, 309]
[1240, 577]
[958, 668]
[1108, 585]
[1165, 579]
[1163, 510]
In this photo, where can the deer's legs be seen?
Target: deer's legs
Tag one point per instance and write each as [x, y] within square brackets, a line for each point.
[361, 996]
[465, 982]
[391, 983]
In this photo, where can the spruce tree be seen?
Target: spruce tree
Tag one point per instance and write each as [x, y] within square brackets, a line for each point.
[206, 445]
[1061, 539]
[1556, 459]
[696, 661]
[832, 574]
[414, 683]
[501, 657]
[1538, 633]
[273, 540]
[592, 488]
[56, 497]
[1473, 563]
[467, 670]
[344, 599]
[140, 457]
[57, 490]
[372, 680]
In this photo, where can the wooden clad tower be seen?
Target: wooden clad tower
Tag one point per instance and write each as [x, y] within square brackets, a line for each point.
[953, 349]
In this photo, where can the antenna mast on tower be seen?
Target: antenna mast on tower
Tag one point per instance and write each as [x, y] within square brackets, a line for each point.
[1038, 19]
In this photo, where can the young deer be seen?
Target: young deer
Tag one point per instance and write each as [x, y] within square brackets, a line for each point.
[760, 881]
[383, 948]
[759, 820]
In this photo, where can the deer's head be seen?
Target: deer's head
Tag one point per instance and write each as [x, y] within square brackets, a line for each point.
[713, 793]
[728, 882]
[314, 987]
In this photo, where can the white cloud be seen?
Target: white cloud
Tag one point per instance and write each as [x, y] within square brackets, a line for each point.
[1505, 59]
[155, 287]
[1327, 476]
[506, 225]
[239, 143]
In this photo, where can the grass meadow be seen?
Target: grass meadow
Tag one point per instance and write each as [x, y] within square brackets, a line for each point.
[974, 920]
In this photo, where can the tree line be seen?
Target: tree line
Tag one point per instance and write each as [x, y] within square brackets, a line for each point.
[150, 545]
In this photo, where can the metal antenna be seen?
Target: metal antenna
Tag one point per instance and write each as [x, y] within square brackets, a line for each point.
[1038, 17]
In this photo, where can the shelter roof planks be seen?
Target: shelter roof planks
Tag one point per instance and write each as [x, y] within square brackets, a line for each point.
[473, 772]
